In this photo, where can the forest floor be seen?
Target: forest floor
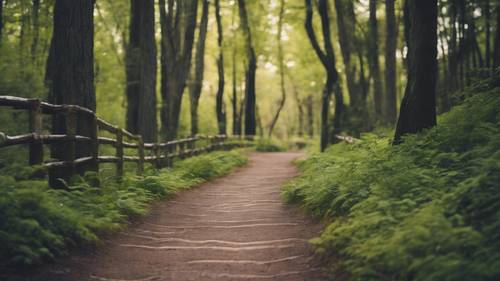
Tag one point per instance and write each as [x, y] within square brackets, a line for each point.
[233, 228]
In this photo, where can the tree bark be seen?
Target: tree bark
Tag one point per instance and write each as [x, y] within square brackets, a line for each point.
[71, 76]
[141, 67]
[390, 113]
[373, 54]
[220, 107]
[327, 58]
[178, 24]
[418, 108]
[250, 97]
[281, 62]
[197, 82]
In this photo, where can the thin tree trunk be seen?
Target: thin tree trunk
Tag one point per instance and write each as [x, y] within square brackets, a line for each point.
[220, 106]
[250, 97]
[281, 67]
[197, 83]
[487, 27]
[373, 51]
[234, 100]
[310, 116]
[71, 75]
[418, 109]
[36, 29]
[496, 48]
[390, 63]
[327, 58]
[141, 67]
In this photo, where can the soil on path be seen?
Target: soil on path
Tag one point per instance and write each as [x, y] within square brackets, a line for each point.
[232, 228]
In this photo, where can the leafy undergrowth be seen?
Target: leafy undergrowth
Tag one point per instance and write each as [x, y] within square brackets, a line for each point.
[428, 209]
[38, 224]
[267, 145]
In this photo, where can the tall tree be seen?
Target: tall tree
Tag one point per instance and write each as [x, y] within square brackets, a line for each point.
[418, 108]
[250, 97]
[220, 108]
[374, 63]
[178, 24]
[197, 81]
[70, 75]
[327, 58]
[141, 67]
[390, 114]
[281, 67]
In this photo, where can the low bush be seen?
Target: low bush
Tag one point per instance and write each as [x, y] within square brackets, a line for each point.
[38, 224]
[427, 210]
[267, 145]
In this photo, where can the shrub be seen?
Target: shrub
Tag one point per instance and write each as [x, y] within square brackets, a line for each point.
[267, 145]
[423, 210]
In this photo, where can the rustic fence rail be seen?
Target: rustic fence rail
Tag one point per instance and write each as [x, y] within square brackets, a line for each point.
[159, 154]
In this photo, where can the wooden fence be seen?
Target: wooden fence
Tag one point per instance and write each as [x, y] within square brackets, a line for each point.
[160, 154]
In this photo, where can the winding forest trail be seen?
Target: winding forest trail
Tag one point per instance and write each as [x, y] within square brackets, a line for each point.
[232, 228]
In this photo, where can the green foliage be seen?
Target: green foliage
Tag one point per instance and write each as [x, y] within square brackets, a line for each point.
[39, 224]
[424, 210]
[267, 145]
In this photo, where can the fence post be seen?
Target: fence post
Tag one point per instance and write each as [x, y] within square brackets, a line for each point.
[157, 153]
[35, 126]
[94, 136]
[170, 152]
[119, 154]
[181, 150]
[140, 166]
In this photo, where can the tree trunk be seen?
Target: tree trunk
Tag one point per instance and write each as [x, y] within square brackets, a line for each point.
[234, 100]
[71, 76]
[327, 58]
[197, 82]
[390, 63]
[487, 27]
[250, 98]
[36, 29]
[220, 108]
[310, 116]
[418, 108]
[141, 67]
[178, 24]
[281, 62]
[373, 54]
[496, 48]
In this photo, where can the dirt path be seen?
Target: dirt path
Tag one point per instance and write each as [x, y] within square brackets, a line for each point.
[233, 228]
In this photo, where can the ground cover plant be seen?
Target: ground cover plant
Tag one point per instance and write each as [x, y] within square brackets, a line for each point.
[425, 210]
[39, 224]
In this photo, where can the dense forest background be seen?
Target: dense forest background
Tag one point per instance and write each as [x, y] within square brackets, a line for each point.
[369, 47]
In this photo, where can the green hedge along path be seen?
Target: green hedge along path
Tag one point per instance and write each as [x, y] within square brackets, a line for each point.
[233, 228]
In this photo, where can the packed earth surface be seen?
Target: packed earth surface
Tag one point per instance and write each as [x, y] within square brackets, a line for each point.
[233, 228]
